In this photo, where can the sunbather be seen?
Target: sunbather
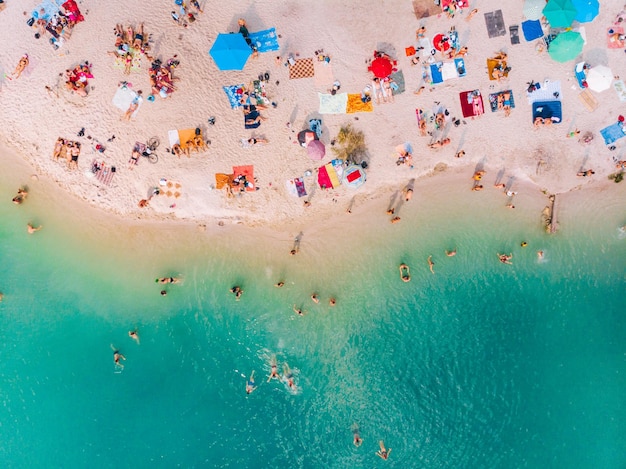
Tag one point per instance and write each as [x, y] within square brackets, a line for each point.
[22, 64]
[58, 146]
[138, 38]
[134, 159]
[134, 105]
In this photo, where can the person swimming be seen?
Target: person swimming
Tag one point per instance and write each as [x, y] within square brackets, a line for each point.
[274, 370]
[356, 438]
[250, 386]
[288, 376]
[117, 356]
[451, 253]
[505, 259]
[133, 335]
[383, 452]
[405, 274]
[431, 264]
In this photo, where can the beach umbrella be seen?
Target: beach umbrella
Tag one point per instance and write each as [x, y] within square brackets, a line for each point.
[441, 42]
[230, 51]
[586, 10]
[305, 136]
[559, 13]
[599, 78]
[533, 9]
[316, 150]
[566, 46]
[381, 67]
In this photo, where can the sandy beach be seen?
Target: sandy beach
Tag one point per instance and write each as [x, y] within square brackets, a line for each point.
[509, 148]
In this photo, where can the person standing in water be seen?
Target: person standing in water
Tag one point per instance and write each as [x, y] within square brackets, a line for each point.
[356, 438]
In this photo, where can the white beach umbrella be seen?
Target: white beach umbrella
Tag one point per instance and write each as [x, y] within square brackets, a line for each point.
[599, 78]
[533, 9]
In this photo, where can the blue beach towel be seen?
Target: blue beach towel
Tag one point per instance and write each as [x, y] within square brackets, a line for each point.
[460, 67]
[548, 110]
[532, 30]
[233, 97]
[51, 8]
[316, 126]
[265, 41]
[435, 72]
[612, 133]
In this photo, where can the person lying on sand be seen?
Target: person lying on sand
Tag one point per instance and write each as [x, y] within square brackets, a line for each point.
[134, 105]
[22, 64]
[586, 173]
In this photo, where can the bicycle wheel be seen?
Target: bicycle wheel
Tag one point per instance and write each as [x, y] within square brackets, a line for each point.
[153, 158]
[153, 143]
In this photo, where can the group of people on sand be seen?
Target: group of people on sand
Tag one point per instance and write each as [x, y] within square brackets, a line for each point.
[187, 12]
[76, 79]
[67, 149]
[161, 78]
[129, 42]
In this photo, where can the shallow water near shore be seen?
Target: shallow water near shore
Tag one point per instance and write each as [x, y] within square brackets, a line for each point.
[478, 365]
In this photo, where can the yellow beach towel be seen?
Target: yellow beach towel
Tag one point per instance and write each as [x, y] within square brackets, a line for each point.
[356, 105]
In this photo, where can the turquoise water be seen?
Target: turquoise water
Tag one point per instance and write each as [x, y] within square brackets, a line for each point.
[478, 365]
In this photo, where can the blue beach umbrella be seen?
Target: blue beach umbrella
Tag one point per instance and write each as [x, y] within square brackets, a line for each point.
[560, 13]
[230, 51]
[586, 10]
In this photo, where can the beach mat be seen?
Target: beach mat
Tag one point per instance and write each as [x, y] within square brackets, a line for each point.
[300, 189]
[234, 93]
[248, 172]
[546, 92]
[324, 76]
[105, 173]
[492, 64]
[303, 68]
[265, 41]
[532, 30]
[398, 78]
[184, 136]
[474, 107]
[120, 62]
[493, 100]
[612, 133]
[614, 44]
[327, 177]
[548, 110]
[330, 104]
[123, 97]
[355, 104]
[495, 24]
[514, 34]
[50, 7]
[620, 89]
[589, 100]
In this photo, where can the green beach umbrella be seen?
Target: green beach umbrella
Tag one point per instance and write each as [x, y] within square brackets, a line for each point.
[566, 46]
[560, 13]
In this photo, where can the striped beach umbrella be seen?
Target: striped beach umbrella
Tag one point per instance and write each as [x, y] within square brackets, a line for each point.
[560, 13]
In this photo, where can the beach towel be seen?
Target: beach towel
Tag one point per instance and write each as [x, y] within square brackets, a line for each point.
[265, 41]
[499, 101]
[398, 79]
[471, 103]
[330, 104]
[123, 97]
[495, 24]
[612, 133]
[492, 64]
[449, 71]
[532, 30]
[50, 7]
[120, 61]
[435, 72]
[460, 67]
[514, 34]
[223, 180]
[620, 88]
[316, 126]
[296, 187]
[611, 41]
[184, 136]
[302, 68]
[581, 74]
[549, 91]
[323, 74]
[327, 177]
[103, 172]
[250, 117]
[248, 172]
[548, 110]
[234, 93]
[172, 136]
[588, 100]
[355, 104]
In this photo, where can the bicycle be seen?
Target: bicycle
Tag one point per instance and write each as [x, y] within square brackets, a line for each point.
[149, 150]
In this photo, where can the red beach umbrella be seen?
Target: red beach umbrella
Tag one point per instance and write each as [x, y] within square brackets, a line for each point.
[381, 67]
[441, 42]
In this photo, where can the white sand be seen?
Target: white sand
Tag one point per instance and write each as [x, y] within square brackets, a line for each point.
[31, 119]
